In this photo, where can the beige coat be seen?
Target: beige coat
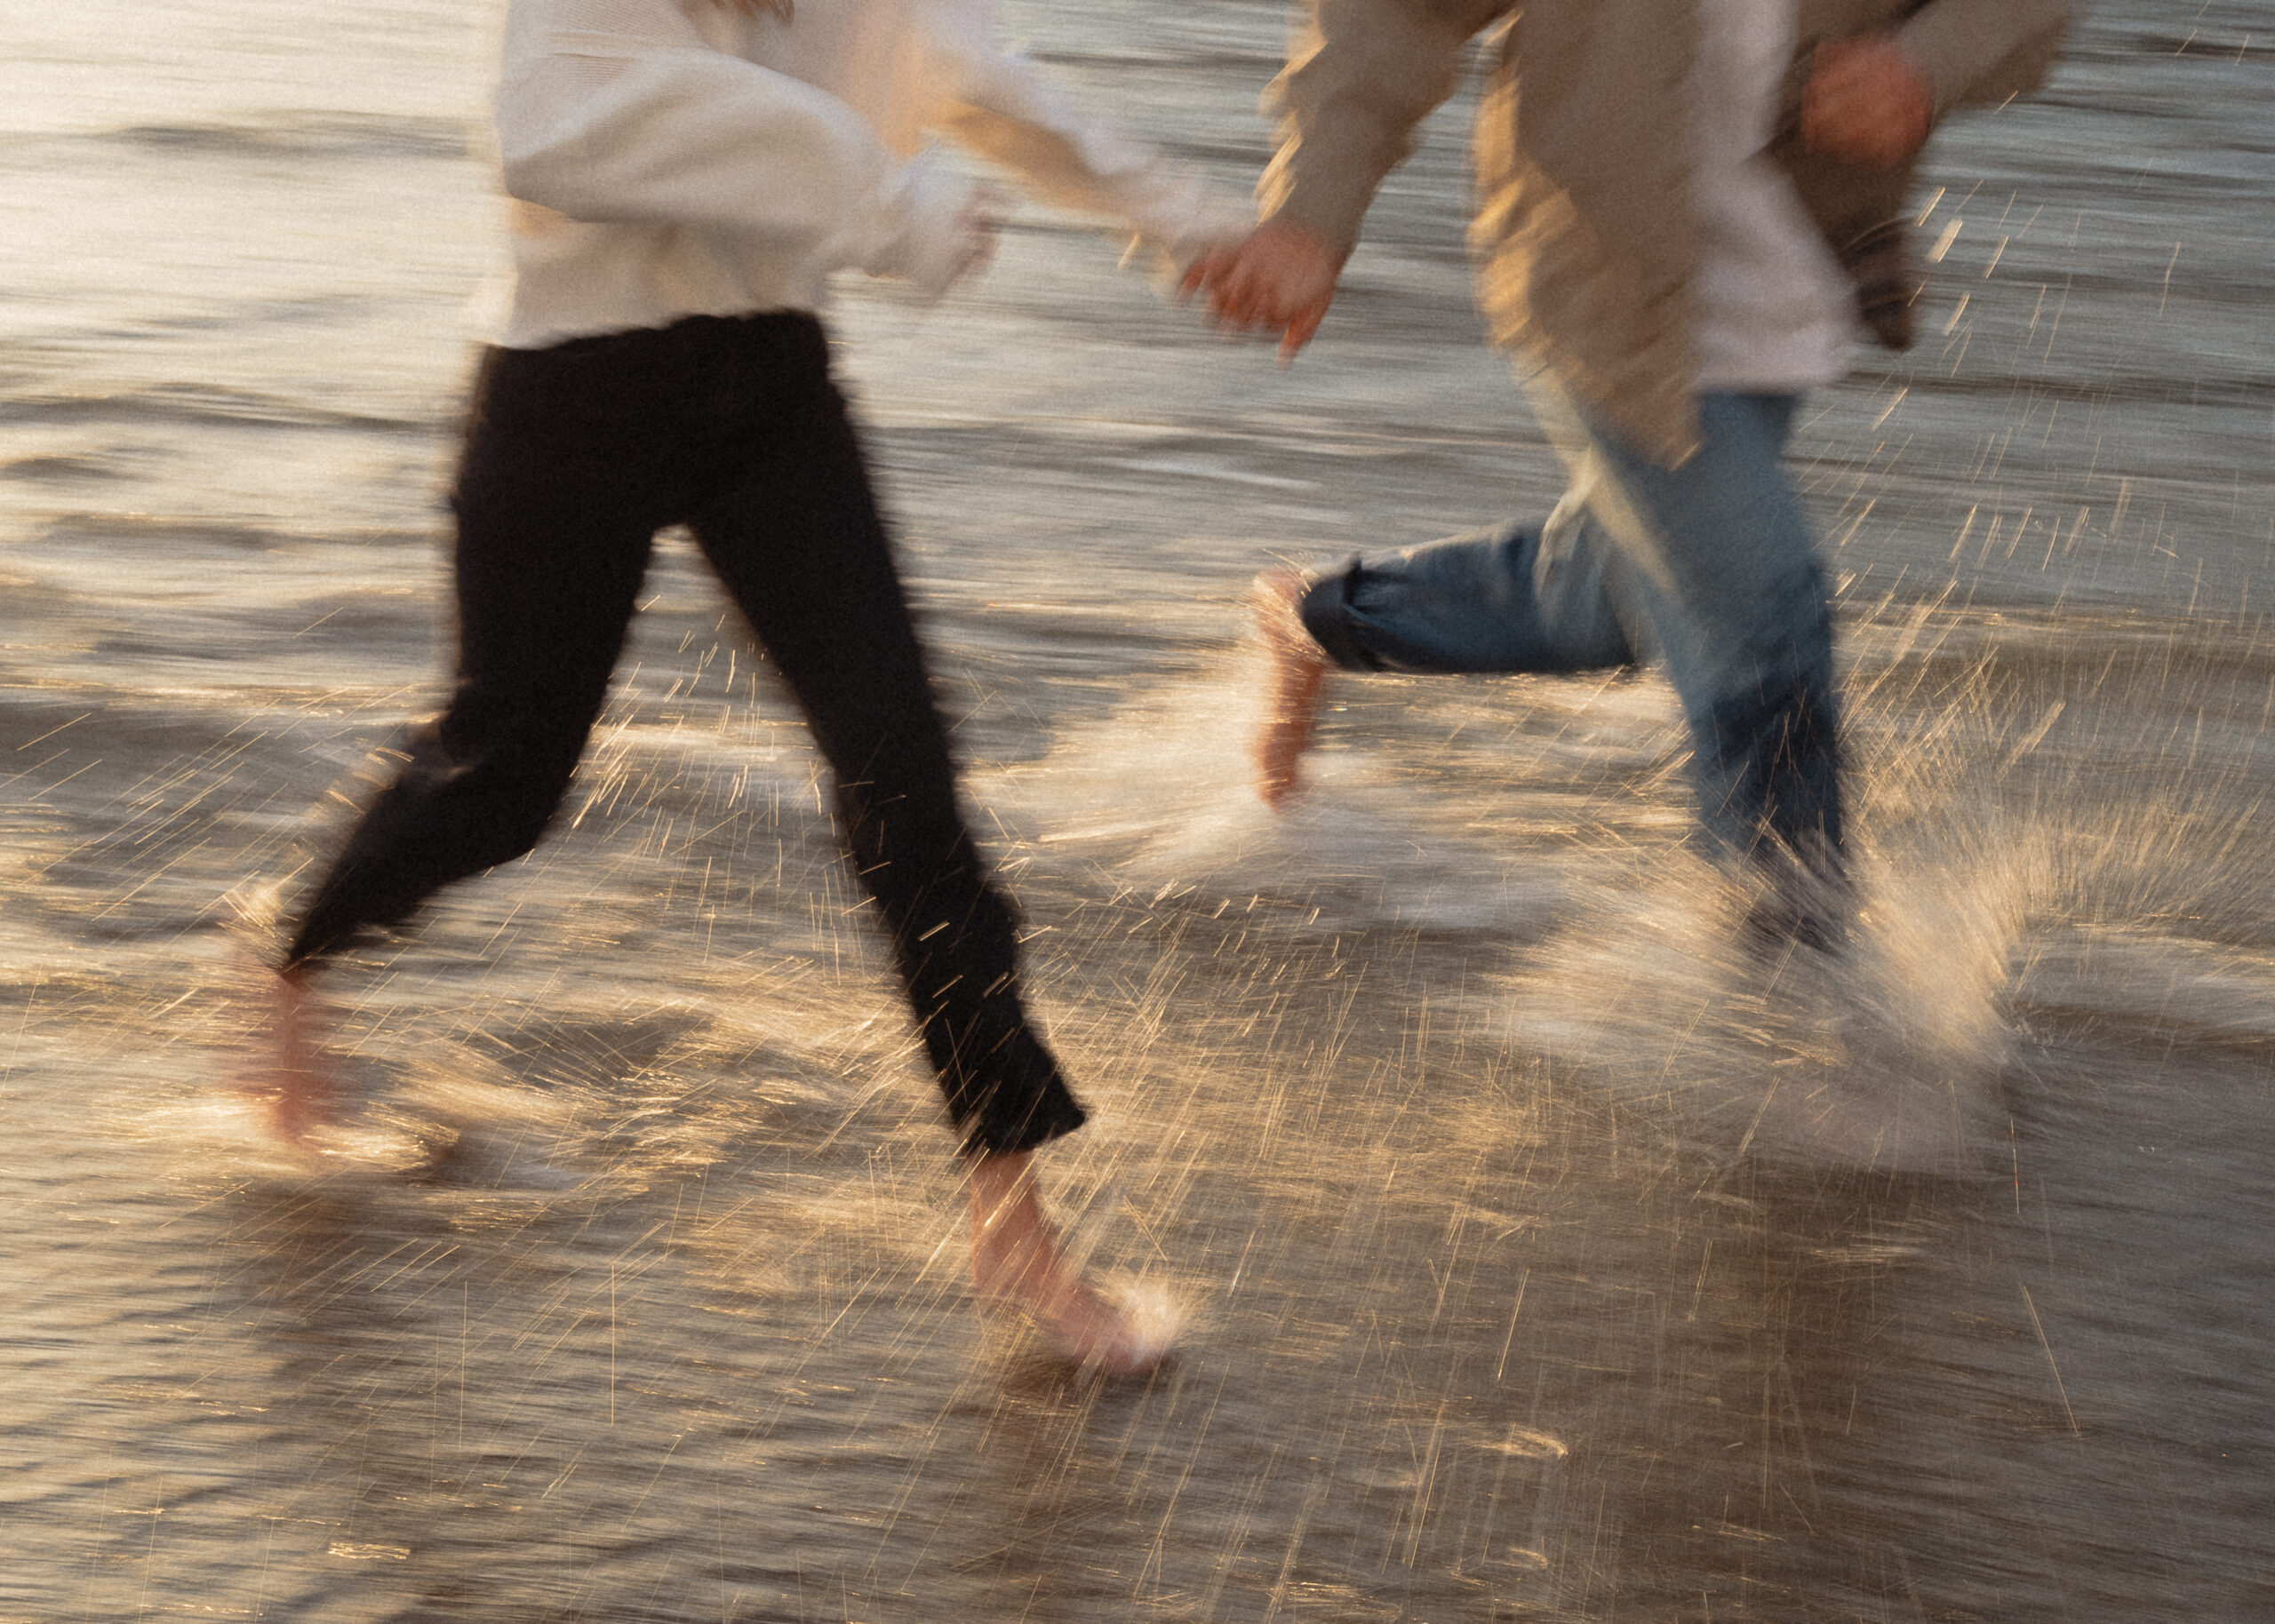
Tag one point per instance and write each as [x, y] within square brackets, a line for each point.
[1584, 235]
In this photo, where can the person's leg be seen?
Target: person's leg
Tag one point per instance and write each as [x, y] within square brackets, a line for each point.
[550, 547]
[1710, 568]
[1294, 680]
[1544, 598]
[798, 542]
[1520, 598]
[1721, 566]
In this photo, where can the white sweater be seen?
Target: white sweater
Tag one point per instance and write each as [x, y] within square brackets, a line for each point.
[1773, 307]
[669, 158]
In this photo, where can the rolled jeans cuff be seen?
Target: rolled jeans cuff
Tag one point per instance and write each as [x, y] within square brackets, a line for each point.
[1326, 611]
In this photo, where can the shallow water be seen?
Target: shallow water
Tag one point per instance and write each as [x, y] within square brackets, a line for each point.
[1536, 1255]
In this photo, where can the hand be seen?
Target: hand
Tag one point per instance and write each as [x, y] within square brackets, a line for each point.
[1281, 279]
[1867, 102]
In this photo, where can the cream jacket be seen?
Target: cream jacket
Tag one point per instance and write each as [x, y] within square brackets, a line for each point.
[1582, 233]
[685, 158]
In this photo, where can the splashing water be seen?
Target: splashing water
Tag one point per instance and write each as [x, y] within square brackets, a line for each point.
[1528, 1251]
[1160, 795]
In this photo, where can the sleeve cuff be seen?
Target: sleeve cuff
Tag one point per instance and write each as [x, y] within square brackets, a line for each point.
[926, 239]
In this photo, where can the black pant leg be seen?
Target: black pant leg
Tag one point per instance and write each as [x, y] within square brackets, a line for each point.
[798, 543]
[555, 508]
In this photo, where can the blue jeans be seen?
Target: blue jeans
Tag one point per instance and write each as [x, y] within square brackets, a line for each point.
[1709, 570]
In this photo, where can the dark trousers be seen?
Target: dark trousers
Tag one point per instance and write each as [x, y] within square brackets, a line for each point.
[575, 456]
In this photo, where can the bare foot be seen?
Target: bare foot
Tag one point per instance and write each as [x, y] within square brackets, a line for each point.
[289, 1073]
[1292, 686]
[1017, 1260]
